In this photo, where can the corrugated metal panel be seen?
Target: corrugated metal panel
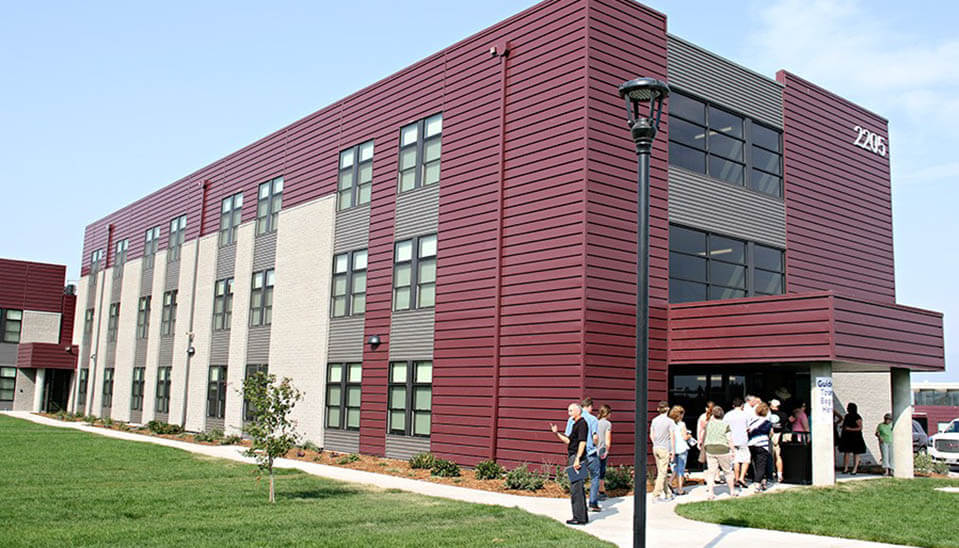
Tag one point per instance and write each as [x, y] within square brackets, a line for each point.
[146, 282]
[346, 339]
[417, 212]
[172, 280]
[136, 417]
[212, 423]
[162, 417]
[8, 354]
[111, 354]
[140, 353]
[352, 229]
[411, 335]
[696, 70]
[701, 202]
[897, 336]
[344, 441]
[116, 289]
[264, 252]
[402, 447]
[166, 352]
[225, 261]
[26, 285]
[258, 345]
[220, 347]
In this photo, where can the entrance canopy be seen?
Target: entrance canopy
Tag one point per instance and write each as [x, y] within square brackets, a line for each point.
[854, 334]
[45, 356]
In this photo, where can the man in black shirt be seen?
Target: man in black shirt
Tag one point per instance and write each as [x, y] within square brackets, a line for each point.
[575, 450]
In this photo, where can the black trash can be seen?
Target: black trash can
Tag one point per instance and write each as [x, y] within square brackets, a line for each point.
[797, 458]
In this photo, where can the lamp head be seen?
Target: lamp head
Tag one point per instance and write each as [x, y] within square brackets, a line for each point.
[644, 107]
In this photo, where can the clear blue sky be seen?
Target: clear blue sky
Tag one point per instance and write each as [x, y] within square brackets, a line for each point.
[103, 102]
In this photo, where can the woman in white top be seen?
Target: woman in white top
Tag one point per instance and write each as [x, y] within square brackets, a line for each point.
[701, 429]
[678, 438]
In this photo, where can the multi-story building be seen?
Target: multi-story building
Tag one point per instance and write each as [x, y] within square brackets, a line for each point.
[443, 260]
[37, 357]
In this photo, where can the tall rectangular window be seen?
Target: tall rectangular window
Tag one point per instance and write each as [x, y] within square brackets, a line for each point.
[414, 273]
[163, 389]
[8, 383]
[222, 304]
[11, 322]
[420, 147]
[231, 214]
[355, 179]
[168, 315]
[136, 391]
[96, 260]
[216, 392]
[87, 324]
[113, 322]
[108, 387]
[261, 298]
[349, 283]
[177, 233]
[82, 390]
[410, 397]
[268, 204]
[343, 389]
[120, 257]
[151, 241]
[143, 317]
[251, 370]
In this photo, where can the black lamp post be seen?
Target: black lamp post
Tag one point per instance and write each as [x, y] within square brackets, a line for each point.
[644, 106]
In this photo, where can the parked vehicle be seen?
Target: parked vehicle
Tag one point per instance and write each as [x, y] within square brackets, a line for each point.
[944, 446]
[920, 440]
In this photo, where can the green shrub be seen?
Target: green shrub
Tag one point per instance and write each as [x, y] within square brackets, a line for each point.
[310, 446]
[160, 427]
[940, 468]
[523, 479]
[489, 469]
[123, 427]
[90, 419]
[444, 468]
[209, 436]
[619, 478]
[60, 415]
[347, 459]
[562, 479]
[107, 421]
[423, 460]
[232, 439]
[922, 464]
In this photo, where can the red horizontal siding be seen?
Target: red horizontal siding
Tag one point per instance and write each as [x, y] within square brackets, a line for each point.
[26, 285]
[45, 356]
[888, 334]
[936, 414]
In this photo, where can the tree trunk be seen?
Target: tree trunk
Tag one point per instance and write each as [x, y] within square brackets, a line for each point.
[272, 492]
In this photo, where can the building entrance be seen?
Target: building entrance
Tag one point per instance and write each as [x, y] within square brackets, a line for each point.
[56, 390]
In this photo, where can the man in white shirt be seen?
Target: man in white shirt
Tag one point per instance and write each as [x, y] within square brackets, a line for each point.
[738, 421]
[659, 434]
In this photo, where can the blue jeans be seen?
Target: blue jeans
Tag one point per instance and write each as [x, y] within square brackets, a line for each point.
[592, 464]
[681, 464]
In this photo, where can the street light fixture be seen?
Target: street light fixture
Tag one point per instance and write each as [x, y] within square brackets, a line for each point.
[644, 107]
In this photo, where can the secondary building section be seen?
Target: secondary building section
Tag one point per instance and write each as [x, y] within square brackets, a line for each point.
[443, 260]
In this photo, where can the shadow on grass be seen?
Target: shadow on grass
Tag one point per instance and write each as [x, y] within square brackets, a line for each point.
[316, 493]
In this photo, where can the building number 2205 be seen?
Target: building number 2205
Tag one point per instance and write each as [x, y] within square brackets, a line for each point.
[870, 141]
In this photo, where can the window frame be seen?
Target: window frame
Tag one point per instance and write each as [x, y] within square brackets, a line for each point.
[108, 373]
[357, 163]
[120, 256]
[223, 299]
[266, 219]
[8, 377]
[249, 371]
[6, 333]
[151, 243]
[164, 383]
[418, 147]
[96, 258]
[345, 384]
[113, 322]
[82, 380]
[416, 284]
[88, 316]
[231, 216]
[350, 275]
[168, 313]
[136, 388]
[410, 385]
[177, 235]
[143, 317]
[262, 314]
[216, 392]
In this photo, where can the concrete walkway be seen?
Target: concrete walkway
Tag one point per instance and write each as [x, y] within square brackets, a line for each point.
[664, 527]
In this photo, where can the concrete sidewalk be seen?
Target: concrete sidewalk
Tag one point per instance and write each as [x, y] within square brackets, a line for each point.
[664, 527]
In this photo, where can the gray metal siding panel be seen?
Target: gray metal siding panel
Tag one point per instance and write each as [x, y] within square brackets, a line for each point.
[403, 447]
[417, 212]
[166, 352]
[6, 406]
[111, 354]
[115, 289]
[258, 345]
[172, 280]
[346, 339]
[220, 347]
[411, 335]
[352, 229]
[146, 282]
[264, 252]
[218, 424]
[140, 353]
[344, 441]
[8, 354]
[162, 417]
[701, 202]
[225, 261]
[136, 417]
[696, 70]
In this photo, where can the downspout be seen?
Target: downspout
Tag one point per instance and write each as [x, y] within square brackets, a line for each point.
[95, 355]
[204, 186]
[500, 49]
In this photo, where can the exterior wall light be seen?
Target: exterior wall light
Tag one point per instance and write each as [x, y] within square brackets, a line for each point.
[190, 351]
[373, 341]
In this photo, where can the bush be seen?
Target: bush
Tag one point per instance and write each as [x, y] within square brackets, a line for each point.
[619, 478]
[123, 427]
[347, 459]
[232, 439]
[160, 427]
[90, 419]
[310, 446]
[108, 422]
[562, 479]
[940, 468]
[489, 469]
[922, 464]
[423, 460]
[209, 436]
[444, 468]
[523, 479]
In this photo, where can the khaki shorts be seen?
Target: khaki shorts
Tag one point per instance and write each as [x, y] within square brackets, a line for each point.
[777, 436]
[741, 455]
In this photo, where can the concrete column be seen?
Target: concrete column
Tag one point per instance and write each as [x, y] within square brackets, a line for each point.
[820, 422]
[901, 423]
[38, 390]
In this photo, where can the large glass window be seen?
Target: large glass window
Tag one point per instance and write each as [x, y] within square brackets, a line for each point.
[96, 260]
[177, 233]
[355, 179]
[414, 273]
[231, 214]
[268, 204]
[8, 383]
[143, 317]
[420, 148]
[151, 241]
[261, 298]
[81, 390]
[113, 322]
[163, 389]
[216, 392]
[251, 370]
[343, 390]
[705, 266]
[120, 257]
[222, 304]
[349, 283]
[11, 322]
[136, 393]
[709, 140]
[108, 387]
[410, 397]
[87, 324]
[168, 314]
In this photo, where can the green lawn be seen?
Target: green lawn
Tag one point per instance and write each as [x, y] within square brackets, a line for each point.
[62, 487]
[884, 510]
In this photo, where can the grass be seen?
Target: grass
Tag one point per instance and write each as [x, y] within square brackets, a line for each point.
[883, 510]
[64, 487]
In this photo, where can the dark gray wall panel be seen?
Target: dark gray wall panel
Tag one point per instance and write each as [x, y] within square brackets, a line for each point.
[8, 354]
[146, 282]
[411, 335]
[258, 345]
[264, 252]
[6, 406]
[699, 201]
[344, 441]
[136, 417]
[417, 212]
[140, 353]
[346, 339]
[166, 352]
[115, 289]
[211, 423]
[172, 280]
[352, 229]
[111, 354]
[225, 261]
[704, 73]
[402, 447]
[220, 347]
[162, 417]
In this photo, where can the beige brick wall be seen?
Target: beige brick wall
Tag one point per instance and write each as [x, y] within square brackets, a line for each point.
[239, 328]
[102, 318]
[83, 287]
[153, 337]
[40, 327]
[872, 392]
[202, 327]
[181, 339]
[126, 339]
[298, 343]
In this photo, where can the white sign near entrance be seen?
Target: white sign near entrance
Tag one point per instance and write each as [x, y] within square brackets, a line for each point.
[824, 395]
